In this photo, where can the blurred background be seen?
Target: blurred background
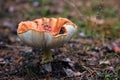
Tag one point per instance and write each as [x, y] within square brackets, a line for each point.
[93, 17]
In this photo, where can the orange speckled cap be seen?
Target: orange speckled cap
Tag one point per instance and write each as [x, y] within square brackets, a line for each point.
[52, 25]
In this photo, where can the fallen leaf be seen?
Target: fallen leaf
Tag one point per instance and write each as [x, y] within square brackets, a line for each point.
[69, 72]
[115, 47]
[104, 62]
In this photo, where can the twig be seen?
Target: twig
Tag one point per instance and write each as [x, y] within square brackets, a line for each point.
[90, 71]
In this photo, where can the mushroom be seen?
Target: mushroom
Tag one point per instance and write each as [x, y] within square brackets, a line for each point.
[46, 33]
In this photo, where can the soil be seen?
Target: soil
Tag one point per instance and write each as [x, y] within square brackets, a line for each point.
[82, 58]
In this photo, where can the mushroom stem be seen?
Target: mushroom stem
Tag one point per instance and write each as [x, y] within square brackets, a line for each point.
[47, 56]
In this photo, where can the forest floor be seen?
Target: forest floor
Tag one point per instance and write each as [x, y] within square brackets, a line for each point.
[93, 54]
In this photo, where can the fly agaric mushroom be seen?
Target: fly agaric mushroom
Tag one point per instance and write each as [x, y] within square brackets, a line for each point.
[46, 33]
